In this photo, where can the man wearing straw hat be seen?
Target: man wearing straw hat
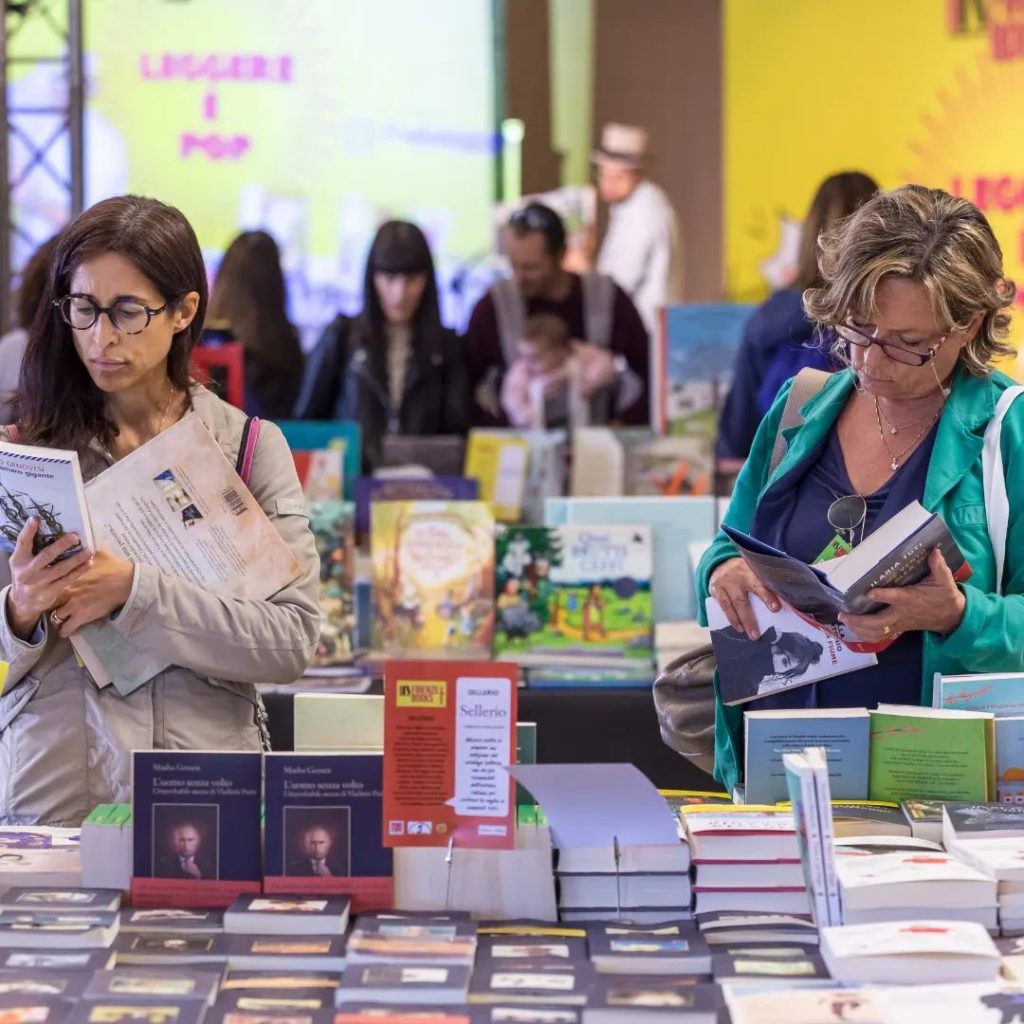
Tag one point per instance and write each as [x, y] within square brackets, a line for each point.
[641, 249]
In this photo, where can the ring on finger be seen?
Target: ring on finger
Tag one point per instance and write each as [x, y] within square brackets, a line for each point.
[56, 619]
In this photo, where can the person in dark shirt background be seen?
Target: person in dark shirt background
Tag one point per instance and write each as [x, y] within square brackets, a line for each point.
[593, 307]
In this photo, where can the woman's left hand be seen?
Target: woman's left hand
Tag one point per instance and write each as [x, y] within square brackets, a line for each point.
[103, 588]
[935, 604]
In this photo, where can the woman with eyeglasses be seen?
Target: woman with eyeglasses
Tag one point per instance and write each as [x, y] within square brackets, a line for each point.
[913, 295]
[394, 368]
[105, 371]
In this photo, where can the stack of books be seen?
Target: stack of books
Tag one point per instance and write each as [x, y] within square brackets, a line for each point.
[903, 885]
[990, 837]
[672, 947]
[409, 958]
[649, 883]
[745, 859]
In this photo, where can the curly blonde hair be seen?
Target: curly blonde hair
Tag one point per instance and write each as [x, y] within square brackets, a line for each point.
[925, 235]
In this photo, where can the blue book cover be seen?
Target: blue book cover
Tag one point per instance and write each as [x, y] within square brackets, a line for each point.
[843, 732]
[311, 435]
[1010, 759]
[675, 522]
[196, 834]
[1002, 693]
[694, 364]
[420, 488]
[324, 825]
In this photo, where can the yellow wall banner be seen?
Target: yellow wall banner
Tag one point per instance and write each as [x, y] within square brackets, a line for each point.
[915, 91]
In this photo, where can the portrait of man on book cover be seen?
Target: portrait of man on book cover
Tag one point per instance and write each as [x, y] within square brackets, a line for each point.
[185, 841]
[317, 842]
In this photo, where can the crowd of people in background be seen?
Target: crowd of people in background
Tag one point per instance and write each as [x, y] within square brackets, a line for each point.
[546, 347]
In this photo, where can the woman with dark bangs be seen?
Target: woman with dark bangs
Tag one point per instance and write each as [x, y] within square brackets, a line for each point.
[393, 368]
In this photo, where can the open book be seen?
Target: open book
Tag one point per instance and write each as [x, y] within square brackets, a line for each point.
[894, 555]
[177, 503]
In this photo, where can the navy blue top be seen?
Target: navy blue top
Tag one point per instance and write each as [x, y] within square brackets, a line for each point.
[793, 516]
[778, 342]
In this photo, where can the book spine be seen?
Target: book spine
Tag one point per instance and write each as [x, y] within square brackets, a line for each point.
[823, 805]
[805, 816]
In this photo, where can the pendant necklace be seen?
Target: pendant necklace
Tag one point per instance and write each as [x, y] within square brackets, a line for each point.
[896, 457]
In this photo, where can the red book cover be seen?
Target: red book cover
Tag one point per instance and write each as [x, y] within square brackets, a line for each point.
[449, 732]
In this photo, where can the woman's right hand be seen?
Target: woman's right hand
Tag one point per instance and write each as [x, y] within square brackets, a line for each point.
[38, 580]
[730, 585]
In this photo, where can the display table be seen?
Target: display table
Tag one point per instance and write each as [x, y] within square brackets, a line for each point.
[603, 725]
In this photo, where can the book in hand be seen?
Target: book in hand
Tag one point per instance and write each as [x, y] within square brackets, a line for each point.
[44, 484]
[910, 952]
[672, 947]
[629, 1000]
[176, 503]
[433, 984]
[789, 652]
[894, 555]
[284, 914]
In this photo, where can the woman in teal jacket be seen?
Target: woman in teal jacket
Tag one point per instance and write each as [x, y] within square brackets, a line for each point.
[914, 293]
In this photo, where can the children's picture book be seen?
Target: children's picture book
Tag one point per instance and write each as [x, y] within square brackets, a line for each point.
[44, 483]
[433, 578]
[321, 472]
[573, 594]
[196, 827]
[324, 826]
[331, 522]
[790, 652]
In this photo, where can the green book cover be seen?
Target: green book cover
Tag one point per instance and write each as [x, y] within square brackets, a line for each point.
[923, 753]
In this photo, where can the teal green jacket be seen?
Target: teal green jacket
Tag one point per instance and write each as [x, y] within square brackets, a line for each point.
[990, 638]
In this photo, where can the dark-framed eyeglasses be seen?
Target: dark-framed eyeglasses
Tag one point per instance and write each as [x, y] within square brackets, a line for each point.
[857, 336]
[846, 514]
[80, 312]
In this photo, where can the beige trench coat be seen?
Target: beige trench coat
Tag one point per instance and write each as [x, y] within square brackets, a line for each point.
[65, 746]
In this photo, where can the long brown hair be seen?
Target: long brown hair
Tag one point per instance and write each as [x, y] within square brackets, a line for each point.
[249, 294]
[837, 197]
[58, 404]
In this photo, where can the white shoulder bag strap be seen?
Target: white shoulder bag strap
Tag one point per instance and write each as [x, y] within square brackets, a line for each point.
[997, 505]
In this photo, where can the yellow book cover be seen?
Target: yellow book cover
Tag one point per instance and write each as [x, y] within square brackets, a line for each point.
[433, 578]
[499, 462]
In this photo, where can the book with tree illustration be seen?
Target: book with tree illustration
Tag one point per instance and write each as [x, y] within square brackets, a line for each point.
[334, 530]
[44, 483]
[433, 578]
[574, 594]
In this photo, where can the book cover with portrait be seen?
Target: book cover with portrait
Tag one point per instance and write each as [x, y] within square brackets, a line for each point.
[196, 835]
[317, 806]
[789, 653]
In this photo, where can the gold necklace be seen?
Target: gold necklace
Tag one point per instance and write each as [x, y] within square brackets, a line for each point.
[894, 458]
[893, 429]
[167, 409]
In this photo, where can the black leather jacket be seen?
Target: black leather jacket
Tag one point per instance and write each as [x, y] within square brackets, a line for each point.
[346, 379]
